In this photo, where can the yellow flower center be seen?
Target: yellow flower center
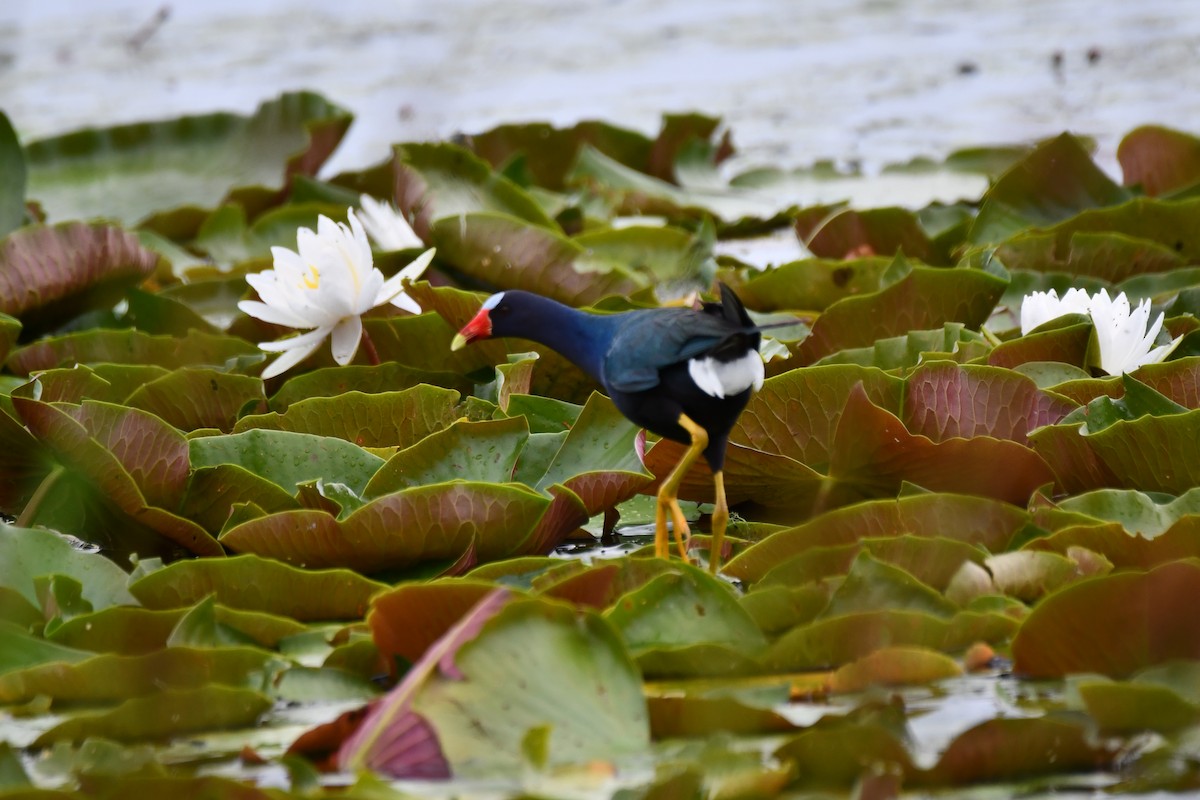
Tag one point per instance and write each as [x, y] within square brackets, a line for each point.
[315, 280]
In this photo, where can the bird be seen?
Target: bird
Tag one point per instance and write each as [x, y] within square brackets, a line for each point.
[684, 374]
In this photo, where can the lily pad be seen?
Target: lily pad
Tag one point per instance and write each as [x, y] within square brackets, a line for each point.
[396, 530]
[50, 275]
[15, 175]
[1159, 160]
[288, 459]
[1055, 181]
[924, 299]
[163, 715]
[98, 345]
[118, 172]
[258, 584]
[26, 554]
[1149, 618]
[508, 253]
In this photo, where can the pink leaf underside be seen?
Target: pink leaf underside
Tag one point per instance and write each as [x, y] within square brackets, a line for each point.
[393, 739]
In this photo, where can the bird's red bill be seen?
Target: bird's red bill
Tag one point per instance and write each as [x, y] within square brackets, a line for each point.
[480, 327]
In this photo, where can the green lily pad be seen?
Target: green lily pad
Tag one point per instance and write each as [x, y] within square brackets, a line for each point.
[287, 458]
[194, 397]
[15, 176]
[387, 377]
[1137, 511]
[907, 350]
[107, 678]
[1055, 181]
[1128, 707]
[26, 554]
[440, 180]
[165, 714]
[924, 299]
[484, 451]
[384, 419]
[258, 584]
[22, 650]
[872, 585]
[509, 253]
[119, 172]
[683, 608]
[809, 284]
[1149, 453]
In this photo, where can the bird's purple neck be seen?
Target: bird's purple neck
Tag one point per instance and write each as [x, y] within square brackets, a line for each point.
[581, 337]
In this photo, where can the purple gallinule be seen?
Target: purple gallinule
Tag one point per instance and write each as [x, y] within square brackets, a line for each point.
[682, 373]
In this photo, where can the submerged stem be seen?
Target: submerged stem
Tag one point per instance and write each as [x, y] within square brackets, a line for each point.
[29, 513]
[369, 348]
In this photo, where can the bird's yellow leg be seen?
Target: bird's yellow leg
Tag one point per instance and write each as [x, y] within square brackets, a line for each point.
[720, 519]
[668, 494]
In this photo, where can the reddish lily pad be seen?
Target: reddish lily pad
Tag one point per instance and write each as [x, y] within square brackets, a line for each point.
[1009, 749]
[944, 400]
[1159, 159]
[831, 232]
[98, 345]
[1149, 618]
[101, 476]
[974, 520]
[396, 530]
[408, 620]
[894, 666]
[874, 452]
[50, 275]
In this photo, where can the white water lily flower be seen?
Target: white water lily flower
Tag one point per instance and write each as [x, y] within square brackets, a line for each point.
[1125, 344]
[386, 226]
[1041, 307]
[326, 285]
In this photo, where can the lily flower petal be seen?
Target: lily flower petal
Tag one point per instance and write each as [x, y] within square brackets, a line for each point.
[294, 350]
[346, 336]
[327, 283]
[392, 290]
[387, 226]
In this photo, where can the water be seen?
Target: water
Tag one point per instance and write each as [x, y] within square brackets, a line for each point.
[865, 81]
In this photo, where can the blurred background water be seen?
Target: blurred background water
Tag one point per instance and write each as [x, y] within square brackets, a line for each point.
[857, 81]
